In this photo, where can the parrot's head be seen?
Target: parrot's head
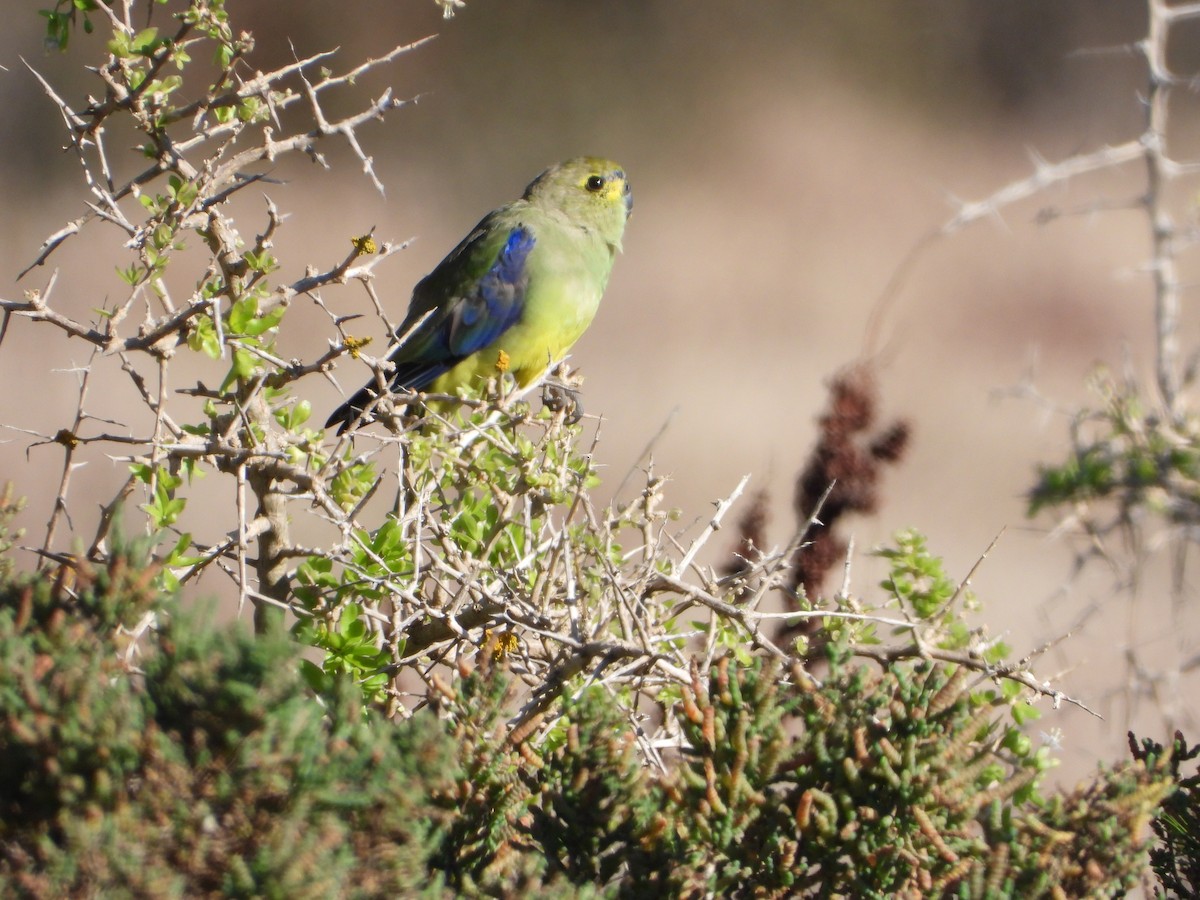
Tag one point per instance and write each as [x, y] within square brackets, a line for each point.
[592, 192]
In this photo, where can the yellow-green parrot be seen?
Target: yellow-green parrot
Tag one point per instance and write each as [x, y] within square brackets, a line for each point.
[517, 292]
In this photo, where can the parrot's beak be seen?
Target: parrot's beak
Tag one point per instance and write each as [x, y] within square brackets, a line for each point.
[628, 200]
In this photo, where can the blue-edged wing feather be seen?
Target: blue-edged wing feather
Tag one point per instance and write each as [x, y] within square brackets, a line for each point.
[459, 318]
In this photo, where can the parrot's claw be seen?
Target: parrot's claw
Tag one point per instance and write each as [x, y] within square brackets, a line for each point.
[558, 397]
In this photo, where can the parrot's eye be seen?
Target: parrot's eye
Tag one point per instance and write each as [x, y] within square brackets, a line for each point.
[595, 183]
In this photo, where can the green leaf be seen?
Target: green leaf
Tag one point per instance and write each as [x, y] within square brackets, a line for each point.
[242, 313]
[1024, 712]
[203, 337]
[315, 677]
[261, 262]
[131, 276]
[245, 364]
[145, 42]
[265, 322]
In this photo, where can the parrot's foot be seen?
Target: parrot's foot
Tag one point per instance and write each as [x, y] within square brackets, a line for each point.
[557, 397]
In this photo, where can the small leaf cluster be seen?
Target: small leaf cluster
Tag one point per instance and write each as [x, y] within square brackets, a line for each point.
[928, 596]
[65, 16]
[1127, 458]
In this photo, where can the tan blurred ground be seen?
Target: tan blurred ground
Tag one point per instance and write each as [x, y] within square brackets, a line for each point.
[785, 158]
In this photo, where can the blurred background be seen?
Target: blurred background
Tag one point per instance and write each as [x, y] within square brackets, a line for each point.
[786, 158]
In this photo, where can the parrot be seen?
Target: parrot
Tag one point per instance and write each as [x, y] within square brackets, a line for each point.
[517, 292]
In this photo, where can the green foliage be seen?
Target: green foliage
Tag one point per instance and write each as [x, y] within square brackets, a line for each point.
[201, 766]
[869, 785]
[9, 507]
[164, 507]
[65, 15]
[918, 581]
[195, 761]
[596, 804]
[1176, 857]
[916, 577]
[1128, 457]
[882, 791]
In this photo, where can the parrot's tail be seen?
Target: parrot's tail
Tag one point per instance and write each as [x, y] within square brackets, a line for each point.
[350, 412]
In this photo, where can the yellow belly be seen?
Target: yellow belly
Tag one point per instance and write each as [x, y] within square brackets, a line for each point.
[543, 337]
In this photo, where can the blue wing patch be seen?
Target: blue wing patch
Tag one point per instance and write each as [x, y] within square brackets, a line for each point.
[476, 319]
[470, 323]
[497, 302]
